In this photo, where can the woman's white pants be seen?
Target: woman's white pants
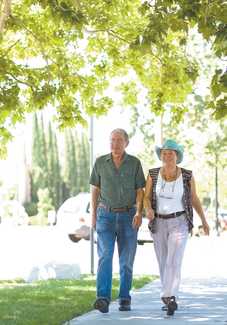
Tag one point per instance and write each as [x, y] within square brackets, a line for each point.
[169, 243]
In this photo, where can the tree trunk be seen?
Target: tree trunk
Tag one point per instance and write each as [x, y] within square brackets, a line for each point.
[4, 13]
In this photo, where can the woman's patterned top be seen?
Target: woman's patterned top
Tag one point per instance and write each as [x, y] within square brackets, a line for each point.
[187, 197]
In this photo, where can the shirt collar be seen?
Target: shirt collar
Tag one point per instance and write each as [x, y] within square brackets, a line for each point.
[109, 157]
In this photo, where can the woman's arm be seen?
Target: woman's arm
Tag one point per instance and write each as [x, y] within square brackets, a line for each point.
[147, 199]
[196, 204]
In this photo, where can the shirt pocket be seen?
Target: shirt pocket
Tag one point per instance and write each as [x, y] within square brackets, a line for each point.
[129, 180]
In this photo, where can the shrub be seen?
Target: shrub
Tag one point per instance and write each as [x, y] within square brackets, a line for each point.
[31, 208]
[45, 202]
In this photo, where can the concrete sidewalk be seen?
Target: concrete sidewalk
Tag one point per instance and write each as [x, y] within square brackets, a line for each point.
[201, 301]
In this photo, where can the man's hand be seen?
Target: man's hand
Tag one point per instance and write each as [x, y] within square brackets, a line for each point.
[93, 221]
[137, 220]
[149, 213]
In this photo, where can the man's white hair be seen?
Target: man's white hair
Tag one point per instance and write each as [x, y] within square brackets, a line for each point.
[123, 132]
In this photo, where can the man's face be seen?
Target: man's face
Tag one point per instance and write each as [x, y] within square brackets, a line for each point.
[118, 143]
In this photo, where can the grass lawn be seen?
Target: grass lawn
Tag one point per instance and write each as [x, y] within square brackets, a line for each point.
[51, 302]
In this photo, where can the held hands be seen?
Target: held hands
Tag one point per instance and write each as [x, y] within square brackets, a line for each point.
[137, 220]
[150, 214]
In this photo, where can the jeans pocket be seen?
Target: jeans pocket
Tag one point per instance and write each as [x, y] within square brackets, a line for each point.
[101, 227]
[105, 221]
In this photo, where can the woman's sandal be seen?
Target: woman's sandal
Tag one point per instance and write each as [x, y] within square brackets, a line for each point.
[165, 301]
[171, 306]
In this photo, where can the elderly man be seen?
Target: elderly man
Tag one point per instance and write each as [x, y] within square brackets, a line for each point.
[117, 183]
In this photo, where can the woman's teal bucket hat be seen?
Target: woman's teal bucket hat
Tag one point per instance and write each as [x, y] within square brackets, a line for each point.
[171, 145]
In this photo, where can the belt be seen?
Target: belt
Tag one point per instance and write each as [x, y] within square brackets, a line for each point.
[109, 209]
[169, 216]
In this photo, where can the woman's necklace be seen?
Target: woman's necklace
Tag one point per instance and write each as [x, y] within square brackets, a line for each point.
[165, 179]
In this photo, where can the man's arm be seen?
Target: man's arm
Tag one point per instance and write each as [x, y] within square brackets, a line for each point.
[137, 220]
[95, 191]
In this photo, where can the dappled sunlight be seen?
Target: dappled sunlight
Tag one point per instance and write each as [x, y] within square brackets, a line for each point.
[203, 294]
[201, 301]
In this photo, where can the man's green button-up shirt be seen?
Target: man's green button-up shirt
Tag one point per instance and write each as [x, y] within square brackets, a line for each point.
[117, 185]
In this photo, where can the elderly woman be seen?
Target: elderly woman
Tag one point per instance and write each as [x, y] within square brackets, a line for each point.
[170, 195]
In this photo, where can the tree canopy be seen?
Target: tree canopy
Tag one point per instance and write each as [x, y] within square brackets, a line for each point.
[74, 55]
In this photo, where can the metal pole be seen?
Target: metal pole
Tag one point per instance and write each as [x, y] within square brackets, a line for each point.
[216, 193]
[161, 128]
[91, 139]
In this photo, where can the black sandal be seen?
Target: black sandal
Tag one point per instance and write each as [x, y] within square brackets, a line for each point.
[171, 306]
[165, 301]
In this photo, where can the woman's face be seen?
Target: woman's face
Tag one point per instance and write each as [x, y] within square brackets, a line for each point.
[169, 156]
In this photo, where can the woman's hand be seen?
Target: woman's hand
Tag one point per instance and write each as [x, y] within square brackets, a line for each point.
[206, 227]
[149, 213]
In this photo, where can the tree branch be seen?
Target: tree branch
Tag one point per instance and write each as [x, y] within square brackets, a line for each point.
[113, 33]
[11, 46]
[110, 32]
[20, 81]
[46, 58]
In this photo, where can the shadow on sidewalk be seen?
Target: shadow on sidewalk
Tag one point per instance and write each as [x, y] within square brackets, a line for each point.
[201, 302]
[204, 300]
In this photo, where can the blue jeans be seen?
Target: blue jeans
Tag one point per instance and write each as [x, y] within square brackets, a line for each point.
[112, 226]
